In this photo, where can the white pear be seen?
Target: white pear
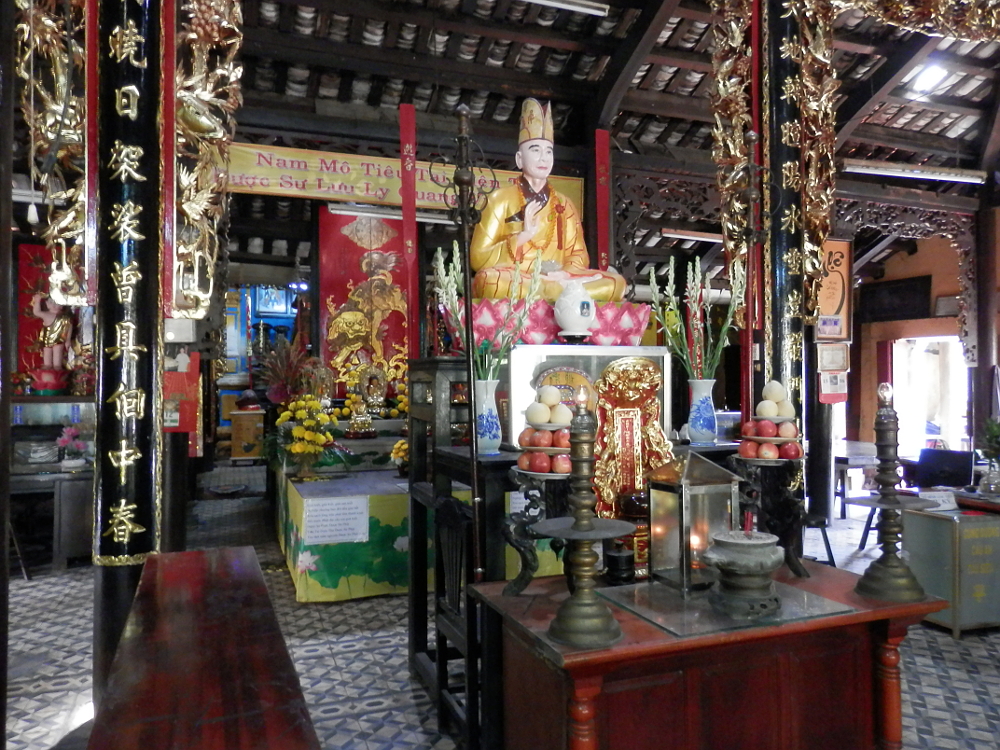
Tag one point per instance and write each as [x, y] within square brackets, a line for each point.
[767, 408]
[549, 395]
[537, 413]
[774, 391]
[786, 409]
[561, 414]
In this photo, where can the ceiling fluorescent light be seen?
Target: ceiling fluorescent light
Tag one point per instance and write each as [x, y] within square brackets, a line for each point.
[928, 78]
[384, 212]
[690, 234]
[578, 6]
[913, 171]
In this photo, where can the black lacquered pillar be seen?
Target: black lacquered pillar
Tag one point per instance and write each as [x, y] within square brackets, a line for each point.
[123, 111]
[784, 255]
[784, 259]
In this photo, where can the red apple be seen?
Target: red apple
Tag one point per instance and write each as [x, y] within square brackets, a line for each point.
[790, 450]
[524, 461]
[540, 463]
[748, 449]
[788, 430]
[749, 428]
[560, 439]
[767, 428]
[767, 450]
[524, 439]
[561, 464]
[542, 439]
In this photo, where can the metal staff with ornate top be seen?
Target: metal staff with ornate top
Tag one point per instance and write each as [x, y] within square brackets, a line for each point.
[466, 215]
[583, 620]
[890, 578]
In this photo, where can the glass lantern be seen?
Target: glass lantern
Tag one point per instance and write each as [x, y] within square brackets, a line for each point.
[686, 508]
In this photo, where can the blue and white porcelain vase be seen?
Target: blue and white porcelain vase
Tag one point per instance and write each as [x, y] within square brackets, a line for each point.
[702, 426]
[487, 418]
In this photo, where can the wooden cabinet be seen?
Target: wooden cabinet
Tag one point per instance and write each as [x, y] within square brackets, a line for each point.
[437, 472]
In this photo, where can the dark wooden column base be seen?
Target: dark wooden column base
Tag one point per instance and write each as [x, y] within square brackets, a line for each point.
[114, 587]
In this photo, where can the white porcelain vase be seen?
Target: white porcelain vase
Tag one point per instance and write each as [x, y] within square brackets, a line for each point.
[702, 426]
[487, 418]
[574, 309]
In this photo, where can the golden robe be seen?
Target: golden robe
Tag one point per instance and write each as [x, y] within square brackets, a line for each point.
[499, 263]
[57, 332]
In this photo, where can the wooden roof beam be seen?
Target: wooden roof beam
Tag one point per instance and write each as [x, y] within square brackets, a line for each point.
[951, 104]
[915, 141]
[695, 10]
[848, 189]
[990, 153]
[667, 105]
[461, 24]
[680, 58]
[409, 66]
[873, 253]
[863, 99]
[958, 64]
[628, 57]
[343, 121]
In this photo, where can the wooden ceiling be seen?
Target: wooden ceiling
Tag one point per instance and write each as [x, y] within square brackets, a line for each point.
[330, 74]
[644, 72]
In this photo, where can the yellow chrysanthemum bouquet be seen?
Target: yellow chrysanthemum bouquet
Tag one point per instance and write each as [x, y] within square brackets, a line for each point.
[400, 452]
[303, 435]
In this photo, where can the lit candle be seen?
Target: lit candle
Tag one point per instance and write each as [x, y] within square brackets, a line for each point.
[697, 542]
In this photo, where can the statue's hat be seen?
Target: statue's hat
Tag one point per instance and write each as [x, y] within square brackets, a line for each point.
[536, 122]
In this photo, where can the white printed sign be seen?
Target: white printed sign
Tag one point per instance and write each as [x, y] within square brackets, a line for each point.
[331, 520]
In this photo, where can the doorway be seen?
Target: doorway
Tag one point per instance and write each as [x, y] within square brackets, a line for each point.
[931, 394]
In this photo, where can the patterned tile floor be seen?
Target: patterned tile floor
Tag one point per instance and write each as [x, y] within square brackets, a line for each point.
[351, 656]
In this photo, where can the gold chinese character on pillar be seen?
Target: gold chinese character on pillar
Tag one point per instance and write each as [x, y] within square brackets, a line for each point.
[130, 403]
[126, 346]
[791, 176]
[791, 134]
[121, 527]
[793, 260]
[125, 221]
[791, 219]
[127, 102]
[124, 163]
[124, 42]
[125, 278]
[123, 458]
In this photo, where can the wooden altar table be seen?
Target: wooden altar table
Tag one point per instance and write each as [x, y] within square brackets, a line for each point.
[830, 682]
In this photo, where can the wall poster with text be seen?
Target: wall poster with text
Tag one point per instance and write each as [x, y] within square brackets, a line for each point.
[833, 306]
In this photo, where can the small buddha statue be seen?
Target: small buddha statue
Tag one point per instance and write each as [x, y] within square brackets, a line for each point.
[57, 329]
[530, 219]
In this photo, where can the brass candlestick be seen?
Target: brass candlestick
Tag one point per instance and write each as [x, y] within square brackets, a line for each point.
[583, 620]
[889, 578]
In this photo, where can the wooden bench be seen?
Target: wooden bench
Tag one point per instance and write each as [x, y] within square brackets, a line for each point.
[202, 664]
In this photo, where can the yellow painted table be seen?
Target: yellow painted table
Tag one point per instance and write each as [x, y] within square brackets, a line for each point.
[345, 537]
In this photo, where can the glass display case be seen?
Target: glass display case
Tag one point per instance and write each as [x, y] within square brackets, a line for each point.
[568, 366]
[37, 422]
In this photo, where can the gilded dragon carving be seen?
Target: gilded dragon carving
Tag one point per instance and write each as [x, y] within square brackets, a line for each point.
[207, 94]
[730, 98]
[50, 61]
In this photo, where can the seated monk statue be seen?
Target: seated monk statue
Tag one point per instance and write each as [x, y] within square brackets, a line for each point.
[530, 219]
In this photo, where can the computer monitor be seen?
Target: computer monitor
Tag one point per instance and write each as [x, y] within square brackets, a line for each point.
[941, 468]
